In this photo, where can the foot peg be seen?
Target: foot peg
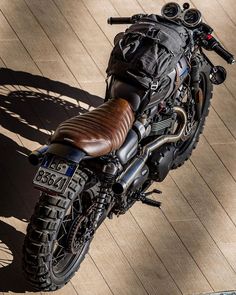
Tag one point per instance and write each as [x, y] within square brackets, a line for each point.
[148, 201]
[151, 202]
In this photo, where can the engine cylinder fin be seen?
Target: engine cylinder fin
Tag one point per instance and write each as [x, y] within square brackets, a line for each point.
[157, 126]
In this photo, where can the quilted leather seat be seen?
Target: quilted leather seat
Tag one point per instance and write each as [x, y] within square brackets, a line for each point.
[100, 131]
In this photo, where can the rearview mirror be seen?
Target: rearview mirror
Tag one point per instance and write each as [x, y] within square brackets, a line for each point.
[218, 75]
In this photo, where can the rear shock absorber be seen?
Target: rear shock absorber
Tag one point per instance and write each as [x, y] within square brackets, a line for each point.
[109, 173]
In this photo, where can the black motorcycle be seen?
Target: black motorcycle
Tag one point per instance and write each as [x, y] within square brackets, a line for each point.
[100, 163]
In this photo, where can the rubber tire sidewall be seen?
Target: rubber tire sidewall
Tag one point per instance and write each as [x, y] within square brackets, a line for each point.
[50, 282]
[181, 158]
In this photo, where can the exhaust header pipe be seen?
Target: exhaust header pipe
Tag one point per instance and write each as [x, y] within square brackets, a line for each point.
[129, 175]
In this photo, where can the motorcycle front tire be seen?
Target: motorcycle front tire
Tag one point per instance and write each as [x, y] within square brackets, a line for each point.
[185, 150]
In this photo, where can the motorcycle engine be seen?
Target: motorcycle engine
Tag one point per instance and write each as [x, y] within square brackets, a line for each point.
[160, 162]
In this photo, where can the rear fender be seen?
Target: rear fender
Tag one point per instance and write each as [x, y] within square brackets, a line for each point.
[58, 149]
[66, 152]
[58, 171]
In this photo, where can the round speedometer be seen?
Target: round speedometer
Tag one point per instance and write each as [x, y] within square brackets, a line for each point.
[171, 10]
[192, 17]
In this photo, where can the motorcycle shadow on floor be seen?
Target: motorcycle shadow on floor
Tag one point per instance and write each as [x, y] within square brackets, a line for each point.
[31, 107]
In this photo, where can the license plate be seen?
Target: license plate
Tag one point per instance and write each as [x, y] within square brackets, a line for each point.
[54, 174]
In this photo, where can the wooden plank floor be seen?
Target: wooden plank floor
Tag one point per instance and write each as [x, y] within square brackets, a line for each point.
[53, 57]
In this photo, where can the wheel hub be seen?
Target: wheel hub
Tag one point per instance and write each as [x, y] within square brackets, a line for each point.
[76, 237]
[81, 231]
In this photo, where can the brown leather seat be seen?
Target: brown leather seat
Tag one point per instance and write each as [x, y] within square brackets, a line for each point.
[100, 131]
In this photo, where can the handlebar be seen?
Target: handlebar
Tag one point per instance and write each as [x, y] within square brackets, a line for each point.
[125, 20]
[119, 20]
[210, 43]
[207, 40]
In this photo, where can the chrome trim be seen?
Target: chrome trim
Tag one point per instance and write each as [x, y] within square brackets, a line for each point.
[172, 17]
[194, 24]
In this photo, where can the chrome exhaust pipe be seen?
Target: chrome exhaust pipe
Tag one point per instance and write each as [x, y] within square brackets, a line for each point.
[37, 155]
[129, 175]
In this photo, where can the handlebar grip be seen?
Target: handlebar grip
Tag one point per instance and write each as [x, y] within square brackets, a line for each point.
[119, 20]
[210, 43]
[228, 57]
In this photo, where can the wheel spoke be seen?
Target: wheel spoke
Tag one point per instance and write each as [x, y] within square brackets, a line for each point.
[71, 240]
[57, 258]
[62, 236]
[75, 209]
[63, 226]
[67, 220]
[58, 254]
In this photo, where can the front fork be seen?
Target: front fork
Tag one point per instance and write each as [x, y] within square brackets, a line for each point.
[195, 88]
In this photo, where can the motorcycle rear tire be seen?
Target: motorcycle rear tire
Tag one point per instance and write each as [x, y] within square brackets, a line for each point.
[42, 233]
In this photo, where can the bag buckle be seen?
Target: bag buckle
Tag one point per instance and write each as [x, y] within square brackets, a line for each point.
[152, 33]
[154, 86]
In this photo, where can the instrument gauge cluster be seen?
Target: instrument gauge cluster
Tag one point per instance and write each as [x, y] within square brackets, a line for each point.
[171, 10]
[190, 17]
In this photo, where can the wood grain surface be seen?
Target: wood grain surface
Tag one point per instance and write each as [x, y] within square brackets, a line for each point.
[53, 58]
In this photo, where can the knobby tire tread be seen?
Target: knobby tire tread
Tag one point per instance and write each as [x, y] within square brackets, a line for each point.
[181, 160]
[41, 232]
